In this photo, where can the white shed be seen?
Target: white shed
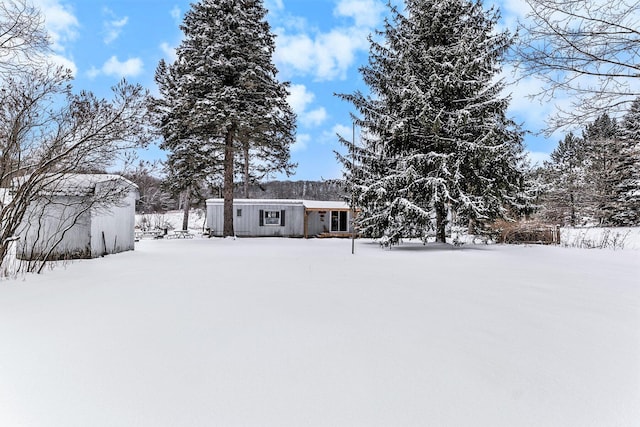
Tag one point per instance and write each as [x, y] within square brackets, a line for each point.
[84, 216]
[282, 218]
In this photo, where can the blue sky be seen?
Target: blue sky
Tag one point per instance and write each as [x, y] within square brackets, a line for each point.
[319, 46]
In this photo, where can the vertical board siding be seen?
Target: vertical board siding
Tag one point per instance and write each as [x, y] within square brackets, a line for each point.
[251, 223]
[118, 225]
[56, 226]
[64, 227]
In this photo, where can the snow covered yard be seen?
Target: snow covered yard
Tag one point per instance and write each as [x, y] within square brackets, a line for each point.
[282, 332]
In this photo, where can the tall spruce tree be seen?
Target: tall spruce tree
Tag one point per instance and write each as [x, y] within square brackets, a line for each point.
[626, 209]
[568, 197]
[191, 158]
[602, 149]
[226, 90]
[435, 134]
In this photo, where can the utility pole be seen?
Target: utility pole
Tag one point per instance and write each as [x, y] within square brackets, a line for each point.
[353, 203]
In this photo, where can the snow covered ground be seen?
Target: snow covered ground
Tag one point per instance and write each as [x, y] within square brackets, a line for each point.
[284, 332]
[601, 237]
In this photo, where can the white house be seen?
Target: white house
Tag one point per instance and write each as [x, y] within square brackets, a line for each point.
[282, 218]
[83, 216]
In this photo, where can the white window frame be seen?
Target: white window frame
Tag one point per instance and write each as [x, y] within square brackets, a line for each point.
[271, 218]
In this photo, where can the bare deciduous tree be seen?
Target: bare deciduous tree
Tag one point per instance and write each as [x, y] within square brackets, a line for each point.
[23, 38]
[584, 48]
[46, 130]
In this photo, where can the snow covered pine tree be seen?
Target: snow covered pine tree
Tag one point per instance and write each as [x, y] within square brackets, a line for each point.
[435, 133]
[226, 89]
[603, 144]
[626, 209]
[568, 197]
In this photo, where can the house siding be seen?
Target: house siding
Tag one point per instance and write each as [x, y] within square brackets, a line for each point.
[62, 226]
[118, 226]
[48, 222]
[248, 224]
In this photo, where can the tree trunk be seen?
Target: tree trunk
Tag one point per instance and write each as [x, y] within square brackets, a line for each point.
[441, 222]
[227, 190]
[246, 170]
[572, 212]
[186, 204]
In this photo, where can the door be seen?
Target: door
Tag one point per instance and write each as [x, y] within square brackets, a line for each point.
[339, 221]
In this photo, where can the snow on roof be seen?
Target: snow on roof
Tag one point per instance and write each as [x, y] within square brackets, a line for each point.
[308, 204]
[71, 184]
[319, 204]
[90, 180]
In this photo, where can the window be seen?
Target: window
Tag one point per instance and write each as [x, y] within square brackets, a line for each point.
[238, 212]
[339, 221]
[272, 218]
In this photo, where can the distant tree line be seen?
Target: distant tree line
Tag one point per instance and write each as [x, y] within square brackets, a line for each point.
[157, 194]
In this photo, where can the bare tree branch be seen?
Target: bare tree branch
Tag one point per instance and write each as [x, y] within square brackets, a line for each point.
[46, 130]
[23, 39]
[585, 49]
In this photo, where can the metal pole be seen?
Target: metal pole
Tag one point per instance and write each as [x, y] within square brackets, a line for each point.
[353, 227]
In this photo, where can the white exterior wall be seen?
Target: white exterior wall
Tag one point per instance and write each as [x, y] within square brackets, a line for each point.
[319, 222]
[118, 225]
[76, 231]
[57, 220]
[248, 224]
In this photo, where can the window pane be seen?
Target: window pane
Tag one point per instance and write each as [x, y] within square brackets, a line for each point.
[343, 222]
[271, 217]
[335, 221]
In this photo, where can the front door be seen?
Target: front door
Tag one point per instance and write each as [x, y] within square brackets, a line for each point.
[339, 221]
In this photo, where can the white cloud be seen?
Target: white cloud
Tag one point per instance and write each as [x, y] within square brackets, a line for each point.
[301, 50]
[176, 14]
[93, 72]
[331, 136]
[273, 5]
[342, 130]
[302, 142]
[326, 57]
[62, 26]
[365, 13]
[300, 99]
[315, 117]
[113, 27]
[169, 51]
[60, 22]
[129, 68]
[64, 62]
[535, 111]
[512, 12]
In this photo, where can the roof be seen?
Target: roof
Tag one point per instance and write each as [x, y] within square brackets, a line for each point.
[308, 204]
[328, 205]
[77, 184]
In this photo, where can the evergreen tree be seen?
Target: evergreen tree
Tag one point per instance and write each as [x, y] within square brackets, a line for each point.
[436, 136]
[191, 158]
[602, 149]
[566, 201]
[626, 210]
[226, 89]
